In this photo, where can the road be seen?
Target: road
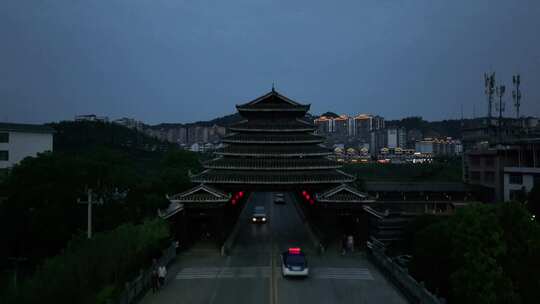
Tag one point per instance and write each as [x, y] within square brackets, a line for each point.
[251, 273]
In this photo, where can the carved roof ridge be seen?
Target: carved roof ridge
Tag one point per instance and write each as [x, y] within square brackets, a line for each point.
[342, 187]
[217, 193]
[269, 94]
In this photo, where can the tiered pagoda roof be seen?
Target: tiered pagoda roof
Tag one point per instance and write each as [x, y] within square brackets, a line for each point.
[343, 196]
[274, 145]
[200, 196]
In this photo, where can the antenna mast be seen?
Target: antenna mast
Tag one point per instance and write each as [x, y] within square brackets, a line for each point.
[489, 84]
[500, 93]
[516, 93]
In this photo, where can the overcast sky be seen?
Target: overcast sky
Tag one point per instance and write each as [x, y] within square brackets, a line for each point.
[182, 61]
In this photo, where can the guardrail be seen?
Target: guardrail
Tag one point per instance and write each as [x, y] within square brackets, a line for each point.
[229, 242]
[313, 232]
[414, 291]
[136, 289]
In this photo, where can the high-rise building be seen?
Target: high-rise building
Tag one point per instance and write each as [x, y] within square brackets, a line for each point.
[396, 138]
[364, 124]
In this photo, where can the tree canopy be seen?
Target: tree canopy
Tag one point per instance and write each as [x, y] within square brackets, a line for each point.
[482, 254]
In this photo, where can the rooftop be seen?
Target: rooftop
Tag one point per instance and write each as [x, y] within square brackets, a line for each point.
[273, 101]
[25, 128]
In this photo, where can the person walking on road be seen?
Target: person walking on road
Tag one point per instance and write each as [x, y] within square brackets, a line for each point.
[154, 280]
[162, 273]
[350, 243]
[344, 245]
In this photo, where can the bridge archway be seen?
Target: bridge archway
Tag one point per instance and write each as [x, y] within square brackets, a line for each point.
[273, 148]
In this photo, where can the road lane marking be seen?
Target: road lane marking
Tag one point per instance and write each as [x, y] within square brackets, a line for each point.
[263, 272]
[349, 273]
[224, 273]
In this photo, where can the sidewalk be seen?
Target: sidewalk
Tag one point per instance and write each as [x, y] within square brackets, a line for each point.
[206, 252]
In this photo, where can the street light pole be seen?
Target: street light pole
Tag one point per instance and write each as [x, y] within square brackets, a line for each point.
[89, 213]
[16, 261]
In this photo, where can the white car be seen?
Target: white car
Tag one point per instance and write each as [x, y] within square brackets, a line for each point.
[294, 263]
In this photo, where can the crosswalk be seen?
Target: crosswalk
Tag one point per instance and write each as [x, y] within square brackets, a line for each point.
[352, 273]
[329, 273]
[223, 273]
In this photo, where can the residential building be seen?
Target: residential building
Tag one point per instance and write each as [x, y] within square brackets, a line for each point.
[91, 117]
[487, 130]
[378, 140]
[396, 138]
[341, 126]
[439, 147]
[18, 141]
[325, 123]
[130, 123]
[364, 124]
[504, 171]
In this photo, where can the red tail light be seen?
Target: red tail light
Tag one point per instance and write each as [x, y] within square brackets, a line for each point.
[294, 250]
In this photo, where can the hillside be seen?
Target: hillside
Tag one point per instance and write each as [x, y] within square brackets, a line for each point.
[82, 135]
[444, 128]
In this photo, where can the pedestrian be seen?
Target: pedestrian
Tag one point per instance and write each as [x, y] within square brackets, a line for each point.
[343, 244]
[154, 280]
[350, 243]
[162, 273]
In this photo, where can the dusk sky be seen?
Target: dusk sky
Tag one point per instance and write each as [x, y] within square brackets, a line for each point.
[182, 61]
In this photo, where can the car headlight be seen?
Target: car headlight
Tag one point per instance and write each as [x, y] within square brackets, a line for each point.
[264, 219]
[254, 219]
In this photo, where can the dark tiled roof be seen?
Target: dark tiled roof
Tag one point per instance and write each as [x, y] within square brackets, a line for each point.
[273, 138]
[278, 151]
[342, 193]
[272, 163]
[272, 177]
[272, 99]
[201, 193]
[273, 126]
[415, 187]
[26, 128]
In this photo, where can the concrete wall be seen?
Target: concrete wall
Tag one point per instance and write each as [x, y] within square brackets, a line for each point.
[528, 179]
[22, 144]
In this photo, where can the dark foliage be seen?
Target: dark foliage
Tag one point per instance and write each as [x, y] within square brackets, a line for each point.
[444, 128]
[41, 214]
[93, 271]
[533, 201]
[482, 254]
[75, 136]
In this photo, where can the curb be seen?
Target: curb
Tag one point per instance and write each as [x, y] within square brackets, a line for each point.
[229, 242]
[314, 238]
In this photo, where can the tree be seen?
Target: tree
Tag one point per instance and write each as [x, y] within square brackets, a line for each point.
[533, 202]
[482, 254]
[41, 213]
[175, 168]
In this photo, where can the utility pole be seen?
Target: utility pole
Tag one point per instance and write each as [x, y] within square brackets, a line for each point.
[16, 261]
[89, 202]
[516, 93]
[489, 85]
[500, 93]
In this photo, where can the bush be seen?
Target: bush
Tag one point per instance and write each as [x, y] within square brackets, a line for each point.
[482, 254]
[91, 271]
